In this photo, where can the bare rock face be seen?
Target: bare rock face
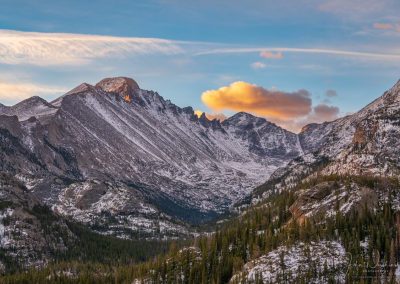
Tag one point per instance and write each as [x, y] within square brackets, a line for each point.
[364, 134]
[324, 199]
[125, 87]
[11, 124]
[31, 107]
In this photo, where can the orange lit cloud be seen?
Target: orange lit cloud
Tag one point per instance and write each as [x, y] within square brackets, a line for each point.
[271, 55]
[289, 110]
[383, 26]
[198, 113]
[211, 116]
[242, 96]
[11, 92]
[387, 26]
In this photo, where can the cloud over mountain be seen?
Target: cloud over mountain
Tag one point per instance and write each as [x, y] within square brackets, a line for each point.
[211, 116]
[242, 96]
[291, 110]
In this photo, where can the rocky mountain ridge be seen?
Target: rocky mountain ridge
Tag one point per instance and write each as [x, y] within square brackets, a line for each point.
[113, 148]
[116, 150]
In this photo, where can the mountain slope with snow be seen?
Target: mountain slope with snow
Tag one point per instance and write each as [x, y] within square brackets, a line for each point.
[362, 145]
[116, 150]
[163, 160]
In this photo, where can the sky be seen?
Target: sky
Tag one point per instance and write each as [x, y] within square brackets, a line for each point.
[295, 62]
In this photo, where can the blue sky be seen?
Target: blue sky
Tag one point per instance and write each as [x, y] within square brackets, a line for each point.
[183, 48]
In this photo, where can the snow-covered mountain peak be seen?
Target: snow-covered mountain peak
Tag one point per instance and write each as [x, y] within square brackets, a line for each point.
[239, 117]
[244, 115]
[244, 119]
[84, 87]
[33, 106]
[35, 100]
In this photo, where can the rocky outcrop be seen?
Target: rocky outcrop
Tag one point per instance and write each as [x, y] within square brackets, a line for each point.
[125, 87]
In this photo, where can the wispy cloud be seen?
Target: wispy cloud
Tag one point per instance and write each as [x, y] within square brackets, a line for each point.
[60, 48]
[258, 65]
[11, 92]
[338, 52]
[46, 49]
[387, 26]
[331, 93]
[355, 8]
[271, 55]
[383, 26]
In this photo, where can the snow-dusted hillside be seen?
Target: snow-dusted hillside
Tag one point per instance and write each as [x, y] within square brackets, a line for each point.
[29, 236]
[288, 264]
[364, 143]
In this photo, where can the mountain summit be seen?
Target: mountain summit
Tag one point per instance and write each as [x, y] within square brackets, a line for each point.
[125, 87]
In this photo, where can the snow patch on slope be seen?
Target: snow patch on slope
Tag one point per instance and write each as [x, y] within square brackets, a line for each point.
[286, 264]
